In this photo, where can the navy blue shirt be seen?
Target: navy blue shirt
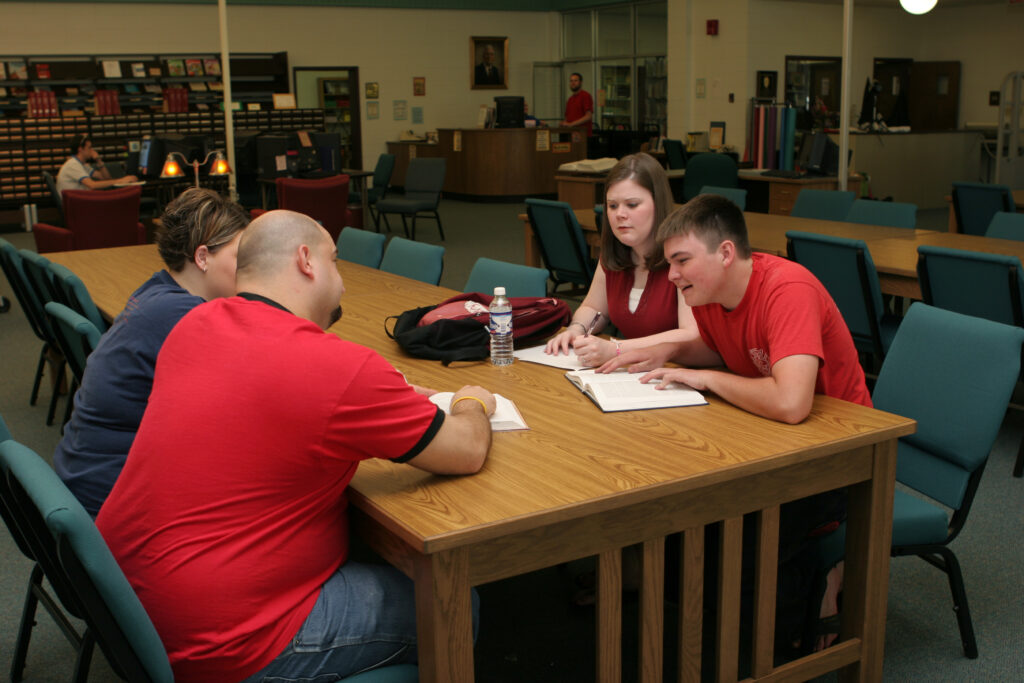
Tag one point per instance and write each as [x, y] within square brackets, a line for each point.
[115, 389]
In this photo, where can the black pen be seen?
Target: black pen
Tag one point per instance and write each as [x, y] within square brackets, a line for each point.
[593, 324]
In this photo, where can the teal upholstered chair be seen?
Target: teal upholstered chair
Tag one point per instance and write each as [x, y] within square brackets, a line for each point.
[360, 246]
[733, 194]
[1006, 225]
[563, 249]
[675, 152]
[518, 280]
[18, 468]
[846, 269]
[416, 260]
[974, 204]
[76, 338]
[40, 285]
[954, 375]
[381, 179]
[423, 182]
[70, 291]
[894, 214]
[112, 611]
[829, 205]
[13, 267]
[986, 285]
[708, 169]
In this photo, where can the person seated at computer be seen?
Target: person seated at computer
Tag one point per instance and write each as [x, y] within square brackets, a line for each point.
[198, 240]
[630, 288]
[84, 170]
[230, 518]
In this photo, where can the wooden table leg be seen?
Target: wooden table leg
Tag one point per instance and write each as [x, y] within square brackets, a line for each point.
[652, 611]
[866, 574]
[609, 616]
[444, 617]
[729, 577]
[766, 573]
[691, 604]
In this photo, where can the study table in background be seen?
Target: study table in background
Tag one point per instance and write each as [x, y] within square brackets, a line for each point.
[581, 483]
[893, 250]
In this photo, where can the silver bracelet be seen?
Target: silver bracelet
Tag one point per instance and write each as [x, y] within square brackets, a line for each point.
[577, 322]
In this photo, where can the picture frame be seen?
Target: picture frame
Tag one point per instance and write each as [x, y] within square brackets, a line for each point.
[767, 86]
[488, 63]
[372, 90]
[419, 86]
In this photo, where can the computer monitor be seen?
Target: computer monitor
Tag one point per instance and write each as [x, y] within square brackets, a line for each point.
[151, 157]
[823, 157]
[509, 111]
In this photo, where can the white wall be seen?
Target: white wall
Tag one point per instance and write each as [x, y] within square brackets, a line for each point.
[390, 46]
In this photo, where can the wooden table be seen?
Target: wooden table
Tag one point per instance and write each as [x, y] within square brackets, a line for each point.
[582, 483]
[893, 250]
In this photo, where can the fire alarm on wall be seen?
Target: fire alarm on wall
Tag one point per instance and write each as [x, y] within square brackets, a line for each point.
[712, 27]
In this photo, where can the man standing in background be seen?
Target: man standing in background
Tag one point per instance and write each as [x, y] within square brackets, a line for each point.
[579, 108]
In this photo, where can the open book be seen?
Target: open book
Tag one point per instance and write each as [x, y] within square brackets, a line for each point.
[621, 390]
[535, 354]
[506, 416]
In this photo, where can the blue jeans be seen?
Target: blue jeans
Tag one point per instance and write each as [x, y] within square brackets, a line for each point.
[365, 618]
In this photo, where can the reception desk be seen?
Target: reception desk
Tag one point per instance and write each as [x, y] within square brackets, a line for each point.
[496, 162]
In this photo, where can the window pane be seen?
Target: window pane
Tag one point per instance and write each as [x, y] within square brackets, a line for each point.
[652, 29]
[615, 94]
[577, 34]
[614, 32]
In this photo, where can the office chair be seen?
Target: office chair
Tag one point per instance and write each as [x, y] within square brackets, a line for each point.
[827, 205]
[563, 249]
[675, 152]
[325, 200]
[733, 194]
[11, 261]
[76, 338]
[70, 291]
[381, 179]
[974, 204]
[518, 280]
[423, 182]
[958, 399]
[360, 246]
[893, 214]
[39, 284]
[708, 169]
[94, 220]
[846, 269]
[28, 528]
[416, 260]
[989, 286]
[51, 185]
[1006, 225]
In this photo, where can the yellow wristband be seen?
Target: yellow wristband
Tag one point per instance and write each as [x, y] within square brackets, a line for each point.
[469, 398]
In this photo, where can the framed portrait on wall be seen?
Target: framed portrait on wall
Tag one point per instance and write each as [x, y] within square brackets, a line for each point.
[488, 63]
[767, 85]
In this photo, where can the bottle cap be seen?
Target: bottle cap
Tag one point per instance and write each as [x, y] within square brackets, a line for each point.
[499, 291]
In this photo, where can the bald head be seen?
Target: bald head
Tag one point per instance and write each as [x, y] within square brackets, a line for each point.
[270, 245]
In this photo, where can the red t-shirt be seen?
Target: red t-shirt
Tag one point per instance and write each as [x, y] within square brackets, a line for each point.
[230, 514]
[579, 104]
[658, 310]
[785, 311]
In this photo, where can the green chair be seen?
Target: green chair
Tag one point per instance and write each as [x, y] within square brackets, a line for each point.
[974, 204]
[708, 169]
[1006, 225]
[71, 291]
[563, 249]
[28, 528]
[846, 269]
[989, 286]
[416, 260]
[733, 194]
[675, 152]
[829, 205]
[423, 182]
[517, 280]
[76, 337]
[112, 611]
[894, 214]
[58, 201]
[360, 246]
[40, 284]
[954, 375]
[381, 179]
[13, 267]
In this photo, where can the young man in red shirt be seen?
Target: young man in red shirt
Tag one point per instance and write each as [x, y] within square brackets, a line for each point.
[579, 108]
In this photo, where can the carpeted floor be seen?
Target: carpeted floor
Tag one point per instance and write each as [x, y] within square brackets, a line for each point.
[530, 633]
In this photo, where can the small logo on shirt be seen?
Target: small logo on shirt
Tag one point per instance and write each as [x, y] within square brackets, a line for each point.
[761, 361]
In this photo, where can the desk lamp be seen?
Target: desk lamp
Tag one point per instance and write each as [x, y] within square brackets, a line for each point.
[173, 169]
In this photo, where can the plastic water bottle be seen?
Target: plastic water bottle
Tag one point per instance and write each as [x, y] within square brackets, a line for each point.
[501, 328]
